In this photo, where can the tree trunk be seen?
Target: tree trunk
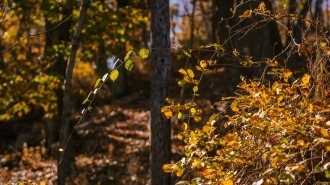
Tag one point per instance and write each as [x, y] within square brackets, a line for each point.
[65, 128]
[160, 150]
[57, 36]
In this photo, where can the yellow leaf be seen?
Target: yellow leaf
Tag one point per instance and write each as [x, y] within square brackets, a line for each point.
[234, 106]
[305, 79]
[166, 109]
[190, 73]
[186, 53]
[262, 6]
[197, 118]
[129, 55]
[227, 182]
[235, 52]
[168, 168]
[181, 82]
[203, 63]
[310, 108]
[144, 53]
[247, 13]
[300, 143]
[114, 75]
[287, 74]
[168, 114]
[195, 89]
[179, 115]
[193, 111]
[129, 65]
[182, 71]
[184, 126]
[324, 133]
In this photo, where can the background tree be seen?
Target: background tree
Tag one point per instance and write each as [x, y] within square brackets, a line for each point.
[160, 150]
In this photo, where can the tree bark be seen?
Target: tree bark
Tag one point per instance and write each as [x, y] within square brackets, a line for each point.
[160, 150]
[65, 128]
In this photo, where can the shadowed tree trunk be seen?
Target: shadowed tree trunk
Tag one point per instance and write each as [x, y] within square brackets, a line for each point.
[57, 36]
[65, 128]
[160, 150]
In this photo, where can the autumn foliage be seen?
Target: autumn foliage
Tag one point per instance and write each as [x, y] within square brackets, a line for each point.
[277, 131]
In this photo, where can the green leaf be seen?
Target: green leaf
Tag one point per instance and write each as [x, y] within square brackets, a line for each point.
[284, 140]
[188, 153]
[144, 53]
[85, 101]
[114, 75]
[190, 73]
[327, 174]
[129, 65]
[97, 83]
[287, 178]
[89, 109]
[129, 55]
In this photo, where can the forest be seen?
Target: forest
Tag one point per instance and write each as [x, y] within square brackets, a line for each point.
[162, 92]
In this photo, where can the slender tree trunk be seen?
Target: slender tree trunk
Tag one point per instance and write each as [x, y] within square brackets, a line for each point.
[160, 150]
[65, 128]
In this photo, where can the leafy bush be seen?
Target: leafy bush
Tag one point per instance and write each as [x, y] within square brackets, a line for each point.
[279, 131]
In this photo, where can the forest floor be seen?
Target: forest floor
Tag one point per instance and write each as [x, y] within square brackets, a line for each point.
[111, 146]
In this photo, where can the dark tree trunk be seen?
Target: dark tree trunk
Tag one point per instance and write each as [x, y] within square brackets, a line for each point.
[57, 36]
[160, 150]
[65, 128]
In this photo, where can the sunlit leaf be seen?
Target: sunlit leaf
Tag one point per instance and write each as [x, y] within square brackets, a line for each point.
[98, 83]
[182, 71]
[197, 118]
[129, 55]
[129, 65]
[168, 114]
[234, 106]
[195, 89]
[186, 53]
[324, 133]
[168, 100]
[114, 75]
[165, 108]
[168, 168]
[188, 153]
[61, 149]
[193, 111]
[144, 53]
[181, 82]
[184, 126]
[190, 73]
[203, 63]
[199, 68]
[305, 79]
[85, 101]
[227, 182]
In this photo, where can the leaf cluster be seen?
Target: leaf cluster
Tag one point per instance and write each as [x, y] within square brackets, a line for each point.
[277, 134]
